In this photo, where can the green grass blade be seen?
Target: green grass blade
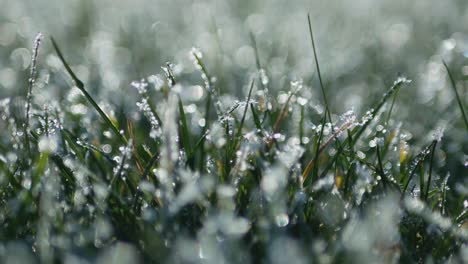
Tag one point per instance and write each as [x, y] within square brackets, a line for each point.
[457, 96]
[184, 130]
[148, 167]
[301, 126]
[197, 145]
[312, 166]
[256, 119]
[201, 163]
[31, 81]
[358, 131]
[431, 162]
[396, 85]
[317, 65]
[391, 106]
[241, 125]
[257, 57]
[80, 86]
[420, 158]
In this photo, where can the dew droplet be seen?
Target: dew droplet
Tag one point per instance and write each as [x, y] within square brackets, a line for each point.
[282, 220]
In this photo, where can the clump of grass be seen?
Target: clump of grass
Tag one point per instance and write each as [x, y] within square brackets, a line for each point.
[225, 186]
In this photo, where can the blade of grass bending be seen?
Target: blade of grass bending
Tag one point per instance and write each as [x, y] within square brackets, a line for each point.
[80, 86]
[454, 87]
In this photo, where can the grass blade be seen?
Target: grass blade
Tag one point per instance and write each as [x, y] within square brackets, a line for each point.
[204, 132]
[454, 87]
[148, 167]
[184, 130]
[391, 106]
[358, 131]
[31, 81]
[419, 158]
[312, 163]
[241, 125]
[80, 86]
[327, 109]
[431, 162]
[134, 147]
[396, 86]
[256, 119]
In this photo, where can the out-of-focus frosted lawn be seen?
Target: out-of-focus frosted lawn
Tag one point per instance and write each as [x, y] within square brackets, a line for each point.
[362, 46]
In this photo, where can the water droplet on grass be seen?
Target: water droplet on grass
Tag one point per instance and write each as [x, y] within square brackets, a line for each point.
[107, 148]
[48, 144]
[282, 220]
[361, 155]
[202, 122]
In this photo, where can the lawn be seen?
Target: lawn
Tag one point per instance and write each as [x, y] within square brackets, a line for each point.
[233, 131]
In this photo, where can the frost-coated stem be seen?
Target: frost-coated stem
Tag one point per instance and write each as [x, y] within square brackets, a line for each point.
[31, 81]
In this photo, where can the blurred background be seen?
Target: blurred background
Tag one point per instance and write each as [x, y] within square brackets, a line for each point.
[362, 45]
